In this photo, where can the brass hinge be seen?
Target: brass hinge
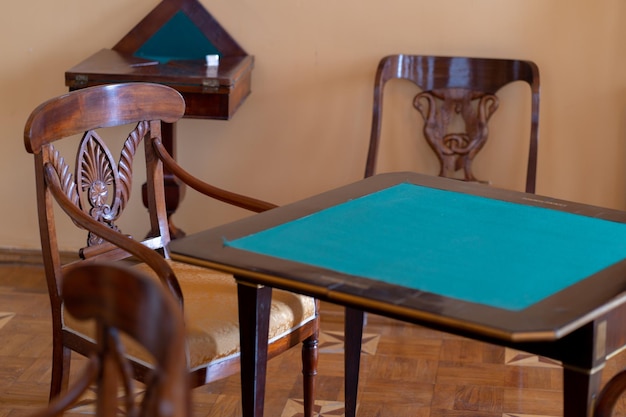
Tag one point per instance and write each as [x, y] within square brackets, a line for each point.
[81, 80]
[210, 85]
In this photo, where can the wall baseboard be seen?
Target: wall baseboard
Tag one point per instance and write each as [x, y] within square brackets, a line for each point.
[29, 256]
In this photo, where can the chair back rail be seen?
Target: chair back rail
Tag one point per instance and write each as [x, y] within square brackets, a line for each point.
[456, 86]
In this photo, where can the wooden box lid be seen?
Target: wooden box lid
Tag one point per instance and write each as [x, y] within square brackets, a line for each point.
[110, 66]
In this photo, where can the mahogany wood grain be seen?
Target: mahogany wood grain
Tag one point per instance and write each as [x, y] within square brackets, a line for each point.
[456, 88]
[207, 97]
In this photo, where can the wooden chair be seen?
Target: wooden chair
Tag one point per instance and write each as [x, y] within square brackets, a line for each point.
[119, 300]
[96, 195]
[453, 89]
[610, 395]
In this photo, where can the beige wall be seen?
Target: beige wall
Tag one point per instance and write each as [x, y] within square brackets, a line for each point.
[304, 128]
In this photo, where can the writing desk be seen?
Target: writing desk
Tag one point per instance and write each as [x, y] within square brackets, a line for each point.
[533, 273]
[169, 46]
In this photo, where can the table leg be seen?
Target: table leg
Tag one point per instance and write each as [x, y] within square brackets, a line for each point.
[583, 354]
[254, 313]
[353, 334]
[580, 389]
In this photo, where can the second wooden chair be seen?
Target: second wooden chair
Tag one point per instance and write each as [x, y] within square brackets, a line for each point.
[456, 101]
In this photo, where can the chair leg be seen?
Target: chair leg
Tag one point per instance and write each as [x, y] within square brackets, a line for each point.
[61, 356]
[254, 316]
[353, 337]
[309, 372]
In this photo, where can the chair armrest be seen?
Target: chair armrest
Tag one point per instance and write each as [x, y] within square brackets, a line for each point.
[229, 197]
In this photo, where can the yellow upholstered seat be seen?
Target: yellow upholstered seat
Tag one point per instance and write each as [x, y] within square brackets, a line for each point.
[210, 313]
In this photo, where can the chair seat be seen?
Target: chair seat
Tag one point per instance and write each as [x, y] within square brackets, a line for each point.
[211, 314]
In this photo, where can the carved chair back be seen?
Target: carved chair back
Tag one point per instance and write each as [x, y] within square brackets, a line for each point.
[456, 91]
[94, 192]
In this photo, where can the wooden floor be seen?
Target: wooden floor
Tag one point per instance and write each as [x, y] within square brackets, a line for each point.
[407, 370]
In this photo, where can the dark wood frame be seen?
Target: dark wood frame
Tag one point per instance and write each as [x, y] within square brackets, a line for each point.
[579, 326]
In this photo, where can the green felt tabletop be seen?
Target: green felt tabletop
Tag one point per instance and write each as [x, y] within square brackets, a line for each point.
[476, 249]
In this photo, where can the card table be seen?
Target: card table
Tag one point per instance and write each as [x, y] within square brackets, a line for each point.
[533, 273]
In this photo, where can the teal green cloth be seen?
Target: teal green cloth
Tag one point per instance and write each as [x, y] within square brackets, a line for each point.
[178, 39]
[471, 248]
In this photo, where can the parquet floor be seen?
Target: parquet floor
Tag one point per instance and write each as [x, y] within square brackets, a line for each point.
[407, 370]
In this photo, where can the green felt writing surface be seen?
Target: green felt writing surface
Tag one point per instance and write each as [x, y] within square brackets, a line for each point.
[471, 248]
[178, 39]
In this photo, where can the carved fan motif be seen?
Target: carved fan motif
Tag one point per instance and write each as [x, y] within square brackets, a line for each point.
[97, 180]
[96, 171]
[456, 148]
[102, 187]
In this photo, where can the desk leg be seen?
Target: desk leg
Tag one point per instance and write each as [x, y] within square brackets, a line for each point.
[353, 333]
[174, 188]
[254, 315]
